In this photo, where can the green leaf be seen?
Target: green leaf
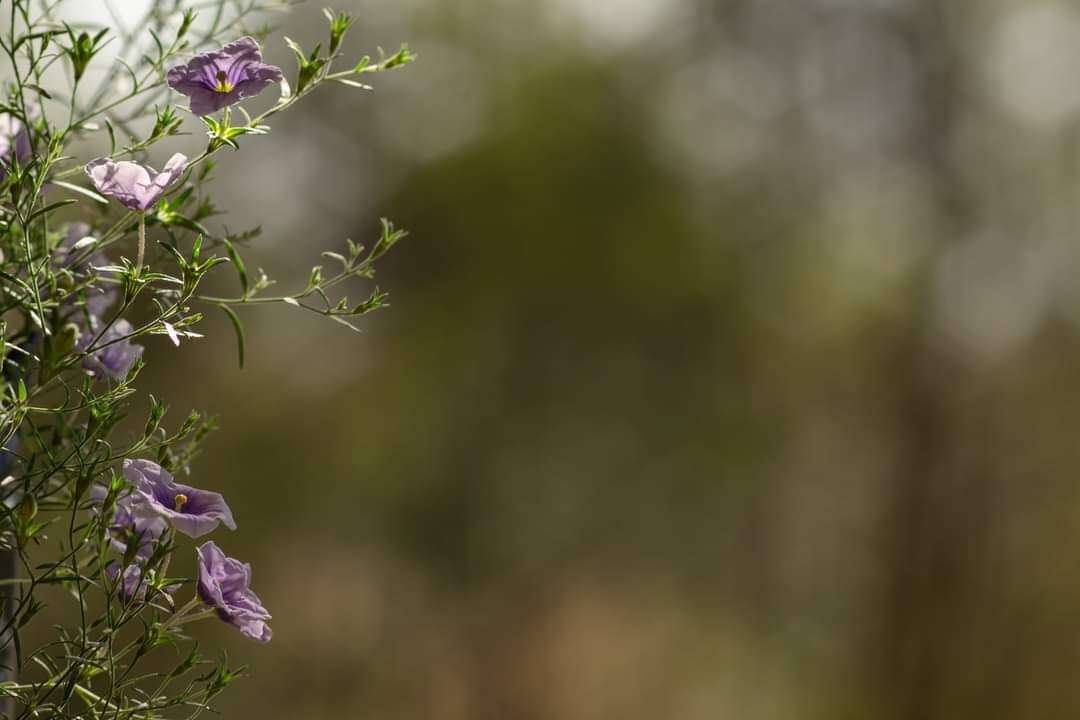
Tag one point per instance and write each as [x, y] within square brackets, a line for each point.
[353, 83]
[38, 89]
[241, 271]
[346, 323]
[81, 190]
[295, 47]
[186, 223]
[336, 256]
[112, 137]
[239, 328]
[49, 208]
[179, 257]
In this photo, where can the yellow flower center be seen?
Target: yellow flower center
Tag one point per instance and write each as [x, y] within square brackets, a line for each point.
[223, 84]
[180, 500]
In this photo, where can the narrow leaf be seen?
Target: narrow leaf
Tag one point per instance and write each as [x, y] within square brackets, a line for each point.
[239, 328]
[238, 263]
[81, 190]
[49, 208]
[353, 83]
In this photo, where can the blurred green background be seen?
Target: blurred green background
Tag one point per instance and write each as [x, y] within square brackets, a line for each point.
[732, 369]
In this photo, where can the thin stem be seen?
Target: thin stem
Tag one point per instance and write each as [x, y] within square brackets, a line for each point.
[142, 244]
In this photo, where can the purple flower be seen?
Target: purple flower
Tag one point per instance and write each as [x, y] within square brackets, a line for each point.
[136, 187]
[14, 142]
[190, 510]
[98, 300]
[128, 526]
[131, 584]
[217, 79]
[225, 585]
[114, 360]
[134, 585]
[132, 581]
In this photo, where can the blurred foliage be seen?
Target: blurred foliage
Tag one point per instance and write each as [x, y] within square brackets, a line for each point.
[729, 371]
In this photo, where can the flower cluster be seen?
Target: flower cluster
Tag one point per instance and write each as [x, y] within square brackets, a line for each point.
[157, 505]
[213, 81]
[78, 481]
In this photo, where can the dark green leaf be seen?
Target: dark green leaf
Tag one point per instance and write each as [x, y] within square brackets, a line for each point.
[239, 328]
[241, 271]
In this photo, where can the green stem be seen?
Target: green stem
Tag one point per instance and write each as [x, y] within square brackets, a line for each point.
[142, 244]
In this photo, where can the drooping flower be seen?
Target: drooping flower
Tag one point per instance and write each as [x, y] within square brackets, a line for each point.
[14, 142]
[220, 78]
[189, 510]
[225, 585]
[136, 187]
[98, 299]
[117, 356]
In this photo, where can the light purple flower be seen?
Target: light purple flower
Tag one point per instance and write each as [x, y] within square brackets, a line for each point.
[14, 142]
[128, 526]
[217, 79]
[225, 585]
[98, 300]
[131, 584]
[190, 510]
[134, 584]
[136, 187]
[114, 360]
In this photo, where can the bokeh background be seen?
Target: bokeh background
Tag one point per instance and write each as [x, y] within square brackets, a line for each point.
[732, 368]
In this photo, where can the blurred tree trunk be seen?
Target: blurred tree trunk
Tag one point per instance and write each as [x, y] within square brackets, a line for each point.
[937, 518]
